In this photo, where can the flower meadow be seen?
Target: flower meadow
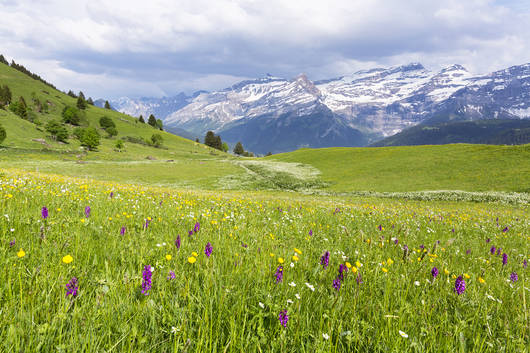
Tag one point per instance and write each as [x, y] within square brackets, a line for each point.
[94, 266]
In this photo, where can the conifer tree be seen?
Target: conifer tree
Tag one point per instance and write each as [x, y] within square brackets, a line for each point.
[239, 150]
[152, 120]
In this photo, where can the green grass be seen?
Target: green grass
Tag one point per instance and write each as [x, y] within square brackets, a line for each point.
[230, 301]
[415, 168]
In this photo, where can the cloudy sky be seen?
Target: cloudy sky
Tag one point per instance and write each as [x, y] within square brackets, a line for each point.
[161, 47]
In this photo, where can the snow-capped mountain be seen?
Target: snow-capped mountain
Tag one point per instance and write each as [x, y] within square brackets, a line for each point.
[348, 111]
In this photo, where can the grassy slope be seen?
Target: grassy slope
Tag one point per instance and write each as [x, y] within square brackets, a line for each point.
[457, 167]
[193, 164]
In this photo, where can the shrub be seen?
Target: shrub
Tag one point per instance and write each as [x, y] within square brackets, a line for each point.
[57, 130]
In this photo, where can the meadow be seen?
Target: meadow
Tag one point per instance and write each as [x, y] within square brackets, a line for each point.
[100, 266]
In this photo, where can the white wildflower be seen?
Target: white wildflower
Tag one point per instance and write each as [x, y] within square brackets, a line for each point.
[403, 334]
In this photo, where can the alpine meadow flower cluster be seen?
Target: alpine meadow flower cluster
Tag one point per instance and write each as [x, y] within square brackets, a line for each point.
[133, 268]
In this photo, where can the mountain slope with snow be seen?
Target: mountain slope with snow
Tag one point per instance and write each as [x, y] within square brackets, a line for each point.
[377, 103]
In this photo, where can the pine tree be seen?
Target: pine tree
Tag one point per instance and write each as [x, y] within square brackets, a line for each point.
[90, 101]
[71, 94]
[152, 120]
[141, 119]
[209, 139]
[3, 60]
[218, 143]
[239, 150]
[107, 105]
[81, 103]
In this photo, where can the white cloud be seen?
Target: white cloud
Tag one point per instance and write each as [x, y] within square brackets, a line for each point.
[141, 46]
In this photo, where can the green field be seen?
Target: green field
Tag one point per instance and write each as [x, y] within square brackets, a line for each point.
[415, 168]
[388, 300]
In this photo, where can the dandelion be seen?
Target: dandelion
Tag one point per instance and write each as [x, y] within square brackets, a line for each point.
[279, 274]
[87, 211]
[171, 276]
[446, 271]
[168, 257]
[21, 253]
[284, 318]
[67, 259]
[177, 242]
[514, 277]
[460, 285]
[384, 269]
[297, 251]
[192, 259]
[504, 259]
[337, 283]
[295, 258]
[122, 230]
[324, 260]
[72, 287]
[44, 212]
[208, 249]
[434, 272]
[281, 260]
[146, 283]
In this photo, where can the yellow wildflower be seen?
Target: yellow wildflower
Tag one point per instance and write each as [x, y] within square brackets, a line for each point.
[354, 269]
[481, 280]
[384, 269]
[297, 251]
[466, 275]
[348, 265]
[168, 257]
[192, 259]
[280, 260]
[295, 258]
[67, 259]
[21, 253]
[194, 254]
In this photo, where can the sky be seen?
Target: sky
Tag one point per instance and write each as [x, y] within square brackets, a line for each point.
[110, 49]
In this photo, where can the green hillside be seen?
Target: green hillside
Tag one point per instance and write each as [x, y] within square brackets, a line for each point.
[29, 146]
[415, 168]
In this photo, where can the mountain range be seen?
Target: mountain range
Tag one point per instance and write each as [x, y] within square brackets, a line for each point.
[273, 114]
